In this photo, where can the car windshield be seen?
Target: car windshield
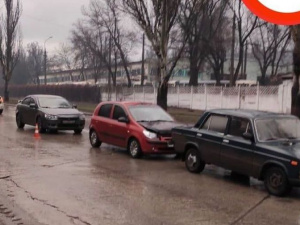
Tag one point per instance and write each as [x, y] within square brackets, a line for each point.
[54, 102]
[149, 113]
[278, 129]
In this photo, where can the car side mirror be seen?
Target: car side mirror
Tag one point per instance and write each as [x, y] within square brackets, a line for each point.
[33, 105]
[248, 136]
[123, 120]
[74, 106]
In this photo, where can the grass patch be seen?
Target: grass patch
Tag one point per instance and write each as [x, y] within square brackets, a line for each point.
[185, 115]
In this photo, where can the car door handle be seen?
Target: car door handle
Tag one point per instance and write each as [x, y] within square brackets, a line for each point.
[199, 135]
[226, 141]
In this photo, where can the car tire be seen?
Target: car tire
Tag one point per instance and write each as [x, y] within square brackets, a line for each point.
[134, 149]
[193, 161]
[19, 122]
[1, 111]
[276, 182]
[78, 131]
[40, 125]
[94, 140]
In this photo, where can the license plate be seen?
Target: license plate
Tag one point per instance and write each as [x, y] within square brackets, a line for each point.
[68, 121]
[170, 145]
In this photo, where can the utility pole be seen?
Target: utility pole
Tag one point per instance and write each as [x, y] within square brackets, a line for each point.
[232, 52]
[143, 62]
[45, 60]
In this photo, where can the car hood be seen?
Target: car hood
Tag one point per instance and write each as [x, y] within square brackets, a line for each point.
[162, 128]
[291, 148]
[70, 111]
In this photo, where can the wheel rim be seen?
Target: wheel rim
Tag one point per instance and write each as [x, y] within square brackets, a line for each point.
[276, 180]
[93, 137]
[134, 148]
[192, 160]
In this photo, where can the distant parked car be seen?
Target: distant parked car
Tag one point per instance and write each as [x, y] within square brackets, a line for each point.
[1, 105]
[140, 127]
[258, 144]
[50, 112]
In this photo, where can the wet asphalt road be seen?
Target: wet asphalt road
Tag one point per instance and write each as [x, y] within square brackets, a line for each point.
[61, 180]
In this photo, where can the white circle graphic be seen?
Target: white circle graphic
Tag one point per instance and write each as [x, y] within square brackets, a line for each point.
[282, 6]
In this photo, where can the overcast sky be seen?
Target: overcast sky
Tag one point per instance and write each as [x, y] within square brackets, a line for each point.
[44, 18]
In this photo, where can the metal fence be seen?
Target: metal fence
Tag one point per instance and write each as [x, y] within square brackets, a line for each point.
[265, 98]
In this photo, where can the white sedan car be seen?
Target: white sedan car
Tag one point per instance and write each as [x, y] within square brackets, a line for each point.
[1, 105]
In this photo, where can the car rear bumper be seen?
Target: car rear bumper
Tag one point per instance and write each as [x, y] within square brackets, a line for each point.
[158, 147]
[60, 124]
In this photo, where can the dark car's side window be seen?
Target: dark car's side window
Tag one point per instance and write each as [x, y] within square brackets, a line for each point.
[216, 123]
[238, 126]
[26, 101]
[105, 110]
[118, 113]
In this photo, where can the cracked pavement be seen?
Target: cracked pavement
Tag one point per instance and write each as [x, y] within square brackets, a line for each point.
[60, 179]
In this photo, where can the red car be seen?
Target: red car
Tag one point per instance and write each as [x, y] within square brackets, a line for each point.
[141, 128]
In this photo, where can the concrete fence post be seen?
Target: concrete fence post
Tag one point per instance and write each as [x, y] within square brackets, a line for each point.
[133, 93]
[257, 97]
[205, 96]
[239, 97]
[192, 97]
[178, 94]
[221, 97]
[154, 95]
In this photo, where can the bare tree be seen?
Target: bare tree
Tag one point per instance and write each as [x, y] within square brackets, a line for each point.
[295, 30]
[269, 43]
[10, 41]
[21, 73]
[158, 19]
[109, 16]
[66, 59]
[34, 61]
[201, 22]
[95, 41]
[246, 23]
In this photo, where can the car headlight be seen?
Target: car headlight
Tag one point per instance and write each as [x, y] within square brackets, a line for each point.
[82, 117]
[51, 117]
[149, 134]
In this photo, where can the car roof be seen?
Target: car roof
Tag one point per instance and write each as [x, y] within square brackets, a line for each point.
[253, 114]
[127, 103]
[48, 96]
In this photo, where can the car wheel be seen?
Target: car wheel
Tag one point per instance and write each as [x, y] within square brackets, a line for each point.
[94, 140]
[276, 181]
[40, 125]
[1, 111]
[134, 149]
[79, 131]
[193, 161]
[20, 124]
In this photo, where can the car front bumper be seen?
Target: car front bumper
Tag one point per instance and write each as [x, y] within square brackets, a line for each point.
[294, 182]
[158, 147]
[64, 124]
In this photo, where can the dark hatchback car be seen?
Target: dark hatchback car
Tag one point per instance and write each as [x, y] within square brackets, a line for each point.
[50, 112]
[263, 145]
[139, 127]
